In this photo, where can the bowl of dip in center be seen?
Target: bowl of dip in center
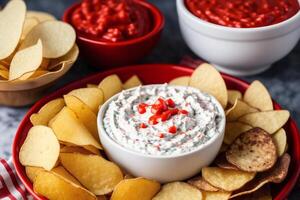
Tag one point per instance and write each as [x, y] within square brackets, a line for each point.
[162, 132]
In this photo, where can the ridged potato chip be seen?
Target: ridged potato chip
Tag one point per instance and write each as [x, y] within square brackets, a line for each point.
[208, 79]
[41, 16]
[226, 179]
[233, 95]
[26, 62]
[253, 151]
[220, 195]
[68, 128]
[84, 114]
[57, 37]
[202, 184]
[54, 186]
[47, 112]
[182, 80]
[280, 141]
[270, 121]
[93, 172]
[133, 81]
[11, 26]
[110, 86]
[40, 148]
[178, 190]
[233, 130]
[239, 109]
[92, 97]
[32, 172]
[258, 96]
[135, 189]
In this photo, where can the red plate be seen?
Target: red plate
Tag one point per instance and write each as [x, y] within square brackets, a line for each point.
[159, 73]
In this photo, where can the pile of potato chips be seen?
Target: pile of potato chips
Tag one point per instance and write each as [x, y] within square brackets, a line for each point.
[33, 44]
[64, 159]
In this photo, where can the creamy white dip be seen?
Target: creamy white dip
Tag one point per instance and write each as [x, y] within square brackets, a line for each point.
[122, 120]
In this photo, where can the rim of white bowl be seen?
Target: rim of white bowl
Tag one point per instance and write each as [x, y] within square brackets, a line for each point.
[101, 129]
[196, 19]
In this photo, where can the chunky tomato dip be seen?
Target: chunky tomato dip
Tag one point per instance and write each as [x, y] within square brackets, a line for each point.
[111, 20]
[243, 13]
[163, 119]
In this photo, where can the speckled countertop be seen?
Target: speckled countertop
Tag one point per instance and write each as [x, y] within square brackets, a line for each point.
[283, 79]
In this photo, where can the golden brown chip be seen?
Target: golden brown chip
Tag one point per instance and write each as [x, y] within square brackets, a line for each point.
[233, 130]
[274, 175]
[74, 149]
[178, 190]
[220, 195]
[133, 81]
[202, 184]
[91, 85]
[4, 74]
[226, 179]
[222, 162]
[61, 171]
[239, 109]
[32, 172]
[110, 86]
[280, 141]
[233, 95]
[208, 79]
[258, 96]
[182, 80]
[253, 151]
[135, 189]
[270, 121]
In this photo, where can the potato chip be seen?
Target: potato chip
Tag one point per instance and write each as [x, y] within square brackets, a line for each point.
[4, 74]
[74, 149]
[32, 172]
[182, 80]
[84, 114]
[94, 172]
[253, 151]
[29, 23]
[222, 162]
[11, 25]
[233, 95]
[135, 189]
[92, 149]
[57, 37]
[223, 148]
[54, 186]
[61, 171]
[208, 79]
[274, 175]
[258, 96]
[270, 121]
[110, 86]
[133, 81]
[220, 195]
[38, 73]
[68, 128]
[92, 97]
[41, 16]
[178, 190]
[47, 112]
[45, 63]
[263, 193]
[239, 109]
[26, 62]
[91, 85]
[233, 130]
[3, 67]
[280, 141]
[40, 148]
[226, 179]
[202, 184]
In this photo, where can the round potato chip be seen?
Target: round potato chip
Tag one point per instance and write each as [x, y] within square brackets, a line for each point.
[233, 95]
[135, 189]
[11, 26]
[41, 16]
[208, 79]
[258, 96]
[270, 121]
[29, 23]
[226, 179]
[178, 190]
[40, 148]
[110, 86]
[94, 172]
[182, 80]
[222, 162]
[220, 195]
[132, 82]
[233, 130]
[280, 141]
[253, 151]
[202, 184]
[57, 37]
[238, 109]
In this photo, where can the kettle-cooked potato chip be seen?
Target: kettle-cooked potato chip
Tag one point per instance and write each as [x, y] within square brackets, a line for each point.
[32, 172]
[233, 95]
[280, 141]
[239, 109]
[133, 81]
[202, 184]
[182, 80]
[110, 86]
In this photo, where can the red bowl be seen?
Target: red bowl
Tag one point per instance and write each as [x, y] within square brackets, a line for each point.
[107, 54]
[158, 73]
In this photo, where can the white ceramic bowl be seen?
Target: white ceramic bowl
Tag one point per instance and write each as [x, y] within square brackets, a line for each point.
[238, 51]
[160, 168]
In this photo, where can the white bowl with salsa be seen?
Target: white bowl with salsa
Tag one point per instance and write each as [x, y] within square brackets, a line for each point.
[162, 132]
[241, 38]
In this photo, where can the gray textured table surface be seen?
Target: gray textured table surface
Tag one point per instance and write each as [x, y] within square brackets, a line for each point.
[283, 79]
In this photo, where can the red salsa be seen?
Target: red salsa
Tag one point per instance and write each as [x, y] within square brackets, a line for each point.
[243, 13]
[111, 20]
